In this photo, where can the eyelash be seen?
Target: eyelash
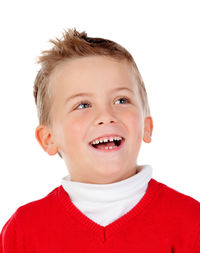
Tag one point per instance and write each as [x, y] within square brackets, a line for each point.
[85, 102]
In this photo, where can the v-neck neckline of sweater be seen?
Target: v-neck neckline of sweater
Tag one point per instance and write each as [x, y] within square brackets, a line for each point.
[103, 232]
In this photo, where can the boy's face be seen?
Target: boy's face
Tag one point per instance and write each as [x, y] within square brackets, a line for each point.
[103, 111]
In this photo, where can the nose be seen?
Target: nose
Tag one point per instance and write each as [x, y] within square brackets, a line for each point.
[105, 116]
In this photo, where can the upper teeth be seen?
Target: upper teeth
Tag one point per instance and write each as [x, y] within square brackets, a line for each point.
[116, 138]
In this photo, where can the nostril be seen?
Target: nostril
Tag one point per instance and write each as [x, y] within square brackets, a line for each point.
[101, 122]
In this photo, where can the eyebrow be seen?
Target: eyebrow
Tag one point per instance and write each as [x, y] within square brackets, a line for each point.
[84, 94]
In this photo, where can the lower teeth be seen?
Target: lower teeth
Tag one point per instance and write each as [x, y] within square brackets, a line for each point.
[111, 147]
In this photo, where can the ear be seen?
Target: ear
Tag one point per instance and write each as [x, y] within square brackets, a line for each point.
[148, 128]
[45, 139]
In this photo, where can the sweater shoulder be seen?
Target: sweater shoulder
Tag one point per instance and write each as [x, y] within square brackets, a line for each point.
[39, 207]
[179, 197]
[180, 213]
[27, 218]
[178, 204]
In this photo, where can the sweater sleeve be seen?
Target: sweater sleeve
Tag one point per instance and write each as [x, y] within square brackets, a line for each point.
[9, 237]
[197, 243]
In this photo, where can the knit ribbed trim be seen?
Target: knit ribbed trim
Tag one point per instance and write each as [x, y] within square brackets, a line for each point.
[105, 232]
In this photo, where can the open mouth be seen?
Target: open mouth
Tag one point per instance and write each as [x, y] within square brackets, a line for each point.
[113, 145]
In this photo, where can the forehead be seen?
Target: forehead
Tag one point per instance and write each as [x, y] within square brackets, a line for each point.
[92, 73]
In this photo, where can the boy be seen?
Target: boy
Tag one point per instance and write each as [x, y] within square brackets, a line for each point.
[93, 111]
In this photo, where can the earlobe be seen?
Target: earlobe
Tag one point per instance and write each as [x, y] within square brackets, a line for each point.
[52, 149]
[147, 137]
[148, 128]
[45, 139]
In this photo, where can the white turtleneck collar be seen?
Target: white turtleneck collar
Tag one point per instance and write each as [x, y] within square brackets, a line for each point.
[104, 203]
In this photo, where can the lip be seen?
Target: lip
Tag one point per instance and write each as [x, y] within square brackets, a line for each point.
[109, 150]
[106, 135]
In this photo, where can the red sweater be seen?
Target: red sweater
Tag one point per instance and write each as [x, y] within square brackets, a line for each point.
[164, 221]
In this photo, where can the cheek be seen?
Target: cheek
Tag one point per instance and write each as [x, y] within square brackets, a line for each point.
[135, 125]
[78, 125]
[76, 129]
[134, 119]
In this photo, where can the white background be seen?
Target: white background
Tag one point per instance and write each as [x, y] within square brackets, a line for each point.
[162, 36]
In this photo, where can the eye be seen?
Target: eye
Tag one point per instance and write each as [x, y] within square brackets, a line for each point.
[122, 99]
[85, 104]
[82, 105]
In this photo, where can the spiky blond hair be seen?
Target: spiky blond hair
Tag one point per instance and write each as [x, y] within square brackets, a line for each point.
[75, 45]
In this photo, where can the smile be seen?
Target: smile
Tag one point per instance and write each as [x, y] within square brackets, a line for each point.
[109, 146]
